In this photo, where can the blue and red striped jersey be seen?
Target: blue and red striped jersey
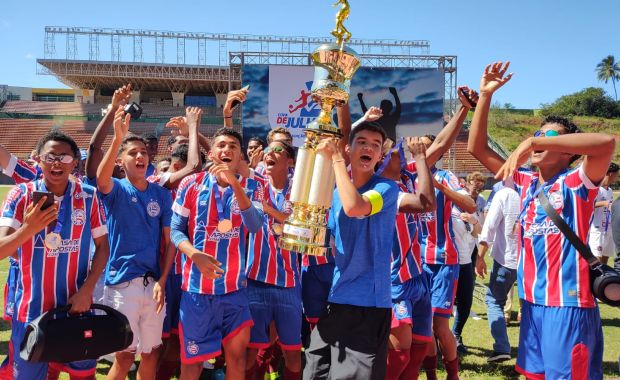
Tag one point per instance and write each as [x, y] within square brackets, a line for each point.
[436, 235]
[21, 171]
[406, 260]
[550, 271]
[49, 277]
[196, 202]
[267, 262]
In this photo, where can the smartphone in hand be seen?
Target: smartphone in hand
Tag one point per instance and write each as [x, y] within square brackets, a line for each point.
[37, 195]
[235, 103]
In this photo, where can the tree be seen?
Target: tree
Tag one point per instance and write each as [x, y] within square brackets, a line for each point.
[590, 101]
[608, 69]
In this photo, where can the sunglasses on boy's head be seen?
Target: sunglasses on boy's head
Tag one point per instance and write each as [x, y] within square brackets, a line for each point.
[62, 158]
[547, 133]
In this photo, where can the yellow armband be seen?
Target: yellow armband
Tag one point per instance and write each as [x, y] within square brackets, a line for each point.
[376, 201]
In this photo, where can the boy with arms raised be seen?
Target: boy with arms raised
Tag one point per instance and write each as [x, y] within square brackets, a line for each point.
[211, 213]
[139, 216]
[54, 266]
[350, 339]
[560, 332]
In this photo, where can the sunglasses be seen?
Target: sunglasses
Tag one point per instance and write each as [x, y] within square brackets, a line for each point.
[275, 149]
[50, 158]
[547, 133]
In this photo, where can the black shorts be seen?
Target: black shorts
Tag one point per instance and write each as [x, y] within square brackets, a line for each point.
[349, 342]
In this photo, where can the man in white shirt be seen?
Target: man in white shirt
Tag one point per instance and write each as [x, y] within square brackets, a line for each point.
[499, 230]
[600, 240]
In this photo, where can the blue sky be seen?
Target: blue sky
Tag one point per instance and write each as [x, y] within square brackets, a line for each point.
[553, 45]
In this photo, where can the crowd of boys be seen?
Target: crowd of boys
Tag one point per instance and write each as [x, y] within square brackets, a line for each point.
[188, 250]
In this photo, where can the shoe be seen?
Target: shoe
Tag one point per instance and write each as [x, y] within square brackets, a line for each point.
[461, 349]
[498, 357]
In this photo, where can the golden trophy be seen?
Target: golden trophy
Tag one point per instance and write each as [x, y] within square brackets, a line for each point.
[305, 231]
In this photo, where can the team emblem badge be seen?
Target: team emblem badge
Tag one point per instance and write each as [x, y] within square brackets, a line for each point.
[153, 209]
[78, 216]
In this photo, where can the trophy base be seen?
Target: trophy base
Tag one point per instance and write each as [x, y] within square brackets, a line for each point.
[306, 235]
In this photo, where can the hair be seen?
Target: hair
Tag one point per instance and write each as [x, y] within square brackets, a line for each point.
[56, 135]
[613, 168]
[180, 152]
[278, 130]
[150, 137]
[171, 140]
[367, 126]
[288, 147]
[569, 127]
[476, 176]
[228, 132]
[128, 140]
[258, 140]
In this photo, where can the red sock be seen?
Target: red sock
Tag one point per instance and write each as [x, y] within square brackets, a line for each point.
[416, 356]
[250, 374]
[396, 362]
[430, 366]
[452, 367]
[166, 370]
[290, 375]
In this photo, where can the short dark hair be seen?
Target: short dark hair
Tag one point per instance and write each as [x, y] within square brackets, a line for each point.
[279, 130]
[228, 132]
[129, 139]
[181, 152]
[613, 168]
[258, 140]
[56, 135]
[149, 137]
[367, 126]
[569, 126]
[171, 140]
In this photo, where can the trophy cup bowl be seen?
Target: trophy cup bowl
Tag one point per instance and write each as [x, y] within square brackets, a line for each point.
[305, 231]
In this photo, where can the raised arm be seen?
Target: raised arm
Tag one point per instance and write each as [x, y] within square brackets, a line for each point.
[462, 201]
[236, 95]
[95, 152]
[448, 134]
[424, 200]
[360, 97]
[344, 124]
[398, 108]
[187, 126]
[477, 145]
[105, 184]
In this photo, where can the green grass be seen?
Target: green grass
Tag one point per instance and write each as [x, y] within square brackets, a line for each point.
[476, 336]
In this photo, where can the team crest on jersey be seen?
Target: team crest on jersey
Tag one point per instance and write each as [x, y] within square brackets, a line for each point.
[234, 207]
[153, 209]
[192, 348]
[401, 310]
[78, 217]
[556, 200]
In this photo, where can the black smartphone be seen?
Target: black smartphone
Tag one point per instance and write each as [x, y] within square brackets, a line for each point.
[466, 95]
[37, 195]
[235, 103]
[134, 110]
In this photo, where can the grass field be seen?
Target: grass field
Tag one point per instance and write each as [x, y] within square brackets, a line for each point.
[476, 336]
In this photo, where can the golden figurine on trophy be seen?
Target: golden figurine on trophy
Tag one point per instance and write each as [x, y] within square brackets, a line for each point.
[305, 231]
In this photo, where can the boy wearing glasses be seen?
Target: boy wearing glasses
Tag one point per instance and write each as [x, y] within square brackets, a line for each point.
[54, 266]
[560, 332]
[273, 273]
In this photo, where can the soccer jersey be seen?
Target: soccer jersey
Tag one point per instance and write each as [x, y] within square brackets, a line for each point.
[363, 249]
[49, 277]
[135, 221]
[550, 271]
[21, 171]
[267, 262]
[436, 234]
[406, 260]
[602, 215]
[196, 215]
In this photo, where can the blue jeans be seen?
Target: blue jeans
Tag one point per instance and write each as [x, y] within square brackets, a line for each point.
[501, 281]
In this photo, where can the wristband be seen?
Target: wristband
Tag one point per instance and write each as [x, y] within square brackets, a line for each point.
[227, 117]
[376, 201]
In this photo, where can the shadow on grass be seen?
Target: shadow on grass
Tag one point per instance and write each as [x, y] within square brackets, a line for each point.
[5, 327]
[505, 369]
[611, 322]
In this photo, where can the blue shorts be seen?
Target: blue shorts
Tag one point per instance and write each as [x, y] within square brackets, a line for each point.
[9, 292]
[316, 282]
[25, 370]
[414, 308]
[280, 305]
[444, 280]
[560, 342]
[173, 304]
[207, 321]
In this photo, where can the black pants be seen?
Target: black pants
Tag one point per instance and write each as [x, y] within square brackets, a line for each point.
[464, 298]
[349, 342]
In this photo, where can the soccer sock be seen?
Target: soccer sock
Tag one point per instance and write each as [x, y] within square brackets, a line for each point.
[290, 375]
[250, 374]
[416, 356]
[166, 370]
[396, 362]
[430, 366]
[452, 367]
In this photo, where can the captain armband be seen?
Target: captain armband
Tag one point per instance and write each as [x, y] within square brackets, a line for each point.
[376, 201]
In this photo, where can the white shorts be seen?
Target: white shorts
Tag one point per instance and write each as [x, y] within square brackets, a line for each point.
[601, 243]
[135, 300]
